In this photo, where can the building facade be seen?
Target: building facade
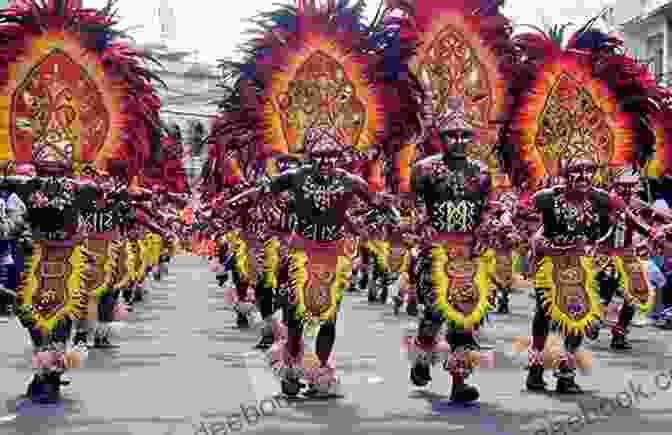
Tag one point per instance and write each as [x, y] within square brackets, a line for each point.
[191, 86]
[646, 29]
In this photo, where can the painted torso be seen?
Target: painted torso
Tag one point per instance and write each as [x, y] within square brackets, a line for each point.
[455, 198]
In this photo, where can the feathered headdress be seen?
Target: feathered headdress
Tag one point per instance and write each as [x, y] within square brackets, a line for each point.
[462, 61]
[586, 100]
[661, 164]
[315, 78]
[166, 168]
[73, 90]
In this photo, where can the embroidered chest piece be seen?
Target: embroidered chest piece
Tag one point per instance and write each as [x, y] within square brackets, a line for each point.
[456, 183]
[323, 194]
[576, 219]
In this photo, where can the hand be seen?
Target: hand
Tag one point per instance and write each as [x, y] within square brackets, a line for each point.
[410, 238]
[4, 227]
[643, 249]
[428, 233]
[394, 216]
[661, 238]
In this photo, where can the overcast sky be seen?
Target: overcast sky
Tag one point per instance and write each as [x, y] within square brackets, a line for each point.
[215, 27]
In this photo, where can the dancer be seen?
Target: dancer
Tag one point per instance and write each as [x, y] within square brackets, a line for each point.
[502, 275]
[628, 270]
[576, 218]
[12, 211]
[448, 173]
[334, 115]
[55, 134]
[101, 221]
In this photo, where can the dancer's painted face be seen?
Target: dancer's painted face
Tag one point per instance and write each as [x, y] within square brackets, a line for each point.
[325, 163]
[455, 141]
[580, 175]
[625, 190]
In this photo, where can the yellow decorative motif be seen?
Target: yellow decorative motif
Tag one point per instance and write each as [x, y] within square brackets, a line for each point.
[109, 265]
[480, 288]
[380, 250]
[40, 47]
[131, 260]
[554, 300]
[633, 296]
[321, 81]
[240, 253]
[75, 301]
[271, 263]
[298, 276]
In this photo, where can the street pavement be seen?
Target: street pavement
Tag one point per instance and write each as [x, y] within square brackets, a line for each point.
[183, 368]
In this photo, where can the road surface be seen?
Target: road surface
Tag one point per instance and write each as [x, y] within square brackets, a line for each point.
[183, 369]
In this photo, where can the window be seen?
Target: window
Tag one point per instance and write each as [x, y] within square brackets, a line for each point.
[654, 51]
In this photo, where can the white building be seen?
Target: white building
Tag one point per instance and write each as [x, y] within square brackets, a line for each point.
[191, 85]
[645, 26]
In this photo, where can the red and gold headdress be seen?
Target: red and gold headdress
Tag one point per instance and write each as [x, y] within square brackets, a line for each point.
[587, 101]
[461, 59]
[166, 169]
[73, 94]
[661, 164]
[313, 81]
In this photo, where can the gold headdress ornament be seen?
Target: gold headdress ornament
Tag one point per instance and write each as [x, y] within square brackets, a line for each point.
[461, 47]
[311, 83]
[586, 101]
[320, 98]
[72, 92]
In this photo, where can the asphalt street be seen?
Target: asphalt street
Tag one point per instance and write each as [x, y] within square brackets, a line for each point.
[183, 368]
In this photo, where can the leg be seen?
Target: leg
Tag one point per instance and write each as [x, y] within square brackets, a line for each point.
[426, 342]
[461, 342]
[503, 301]
[105, 317]
[620, 330]
[411, 303]
[290, 383]
[266, 303]
[370, 273]
[540, 329]
[322, 380]
[364, 269]
[241, 292]
[82, 330]
[398, 300]
[46, 384]
[325, 341]
[566, 372]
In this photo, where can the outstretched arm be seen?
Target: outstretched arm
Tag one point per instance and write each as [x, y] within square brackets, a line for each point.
[144, 220]
[527, 213]
[375, 199]
[277, 184]
[14, 218]
[615, 202]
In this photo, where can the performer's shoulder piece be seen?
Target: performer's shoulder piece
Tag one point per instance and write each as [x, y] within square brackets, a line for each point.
[543, 199]
[600, 196]
[436, 158]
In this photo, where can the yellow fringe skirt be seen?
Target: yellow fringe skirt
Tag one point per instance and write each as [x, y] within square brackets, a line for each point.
[52, 288]
[461, 285]
[318, 276]
[636, 287]
[571, 293]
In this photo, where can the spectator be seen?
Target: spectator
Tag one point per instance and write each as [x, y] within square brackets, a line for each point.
[657, 281]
